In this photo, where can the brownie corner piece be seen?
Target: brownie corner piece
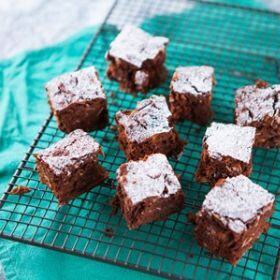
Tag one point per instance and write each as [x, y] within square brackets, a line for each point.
[148, 190]
[232, 217]
[70, 167]
[78, 101]
[226, 152]
[191, 94]
[259, 106]
[148, 129]
[136, 59]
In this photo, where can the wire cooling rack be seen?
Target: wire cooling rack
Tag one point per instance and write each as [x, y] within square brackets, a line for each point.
[243, 45]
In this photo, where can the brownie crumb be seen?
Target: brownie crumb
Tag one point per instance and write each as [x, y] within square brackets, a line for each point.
[115, 205]
[113, 127]
[179, 176]
[261, 84]
[191, 217]
[19, 190]
[109, 232]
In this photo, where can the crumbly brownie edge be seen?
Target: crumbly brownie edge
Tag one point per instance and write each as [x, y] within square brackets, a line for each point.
[147, 211]
[221, 241]
[210, 169]
[96, 119]
[193, 108]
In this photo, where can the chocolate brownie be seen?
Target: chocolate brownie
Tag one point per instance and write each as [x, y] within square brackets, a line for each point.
[191, 93]
[136, 59]
[148, 129]
[70, 167]
[78, 101]
[233, 216]
[226, 152]
[148, 190]
[259, 106]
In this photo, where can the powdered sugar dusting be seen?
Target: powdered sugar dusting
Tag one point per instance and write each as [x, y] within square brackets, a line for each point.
[148, 178]
[141, 78]
[149, 118]
[230, 140]
[254, 103]
[74, 148]
[194, 79]
[78, 86]
[135, 46]
[237, 201]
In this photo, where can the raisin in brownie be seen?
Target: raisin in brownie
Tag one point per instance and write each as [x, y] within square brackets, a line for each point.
[70, 166]
[136, 59]
[78, 101]
[191, 93]
[226, 152]
[233, 215]
[148, 129]
[259, 106]
[148, 190]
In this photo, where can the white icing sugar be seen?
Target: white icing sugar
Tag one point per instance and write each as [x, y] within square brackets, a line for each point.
[237, 201]
[148, 178]
[149, 118]
[135, 46]
[194, 79]
[230, 140]
[254, 104]
[73, 149]
[78, 86]
[141, 78]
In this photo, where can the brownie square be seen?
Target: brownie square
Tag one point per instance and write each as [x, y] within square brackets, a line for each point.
[191, 94]
[226, 152]
[77, 100]
[70, 167]
[233, 216]
[148, 129]
[148, 190]
[259, 106]
[136, 59]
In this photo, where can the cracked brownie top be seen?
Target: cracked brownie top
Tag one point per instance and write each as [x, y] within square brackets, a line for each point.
[237, 201]
[193, 79]
[151, 177]
[75, 148]
[135, 46]
[230, 140]
[150, 117]
[78, 86]
[255, 102]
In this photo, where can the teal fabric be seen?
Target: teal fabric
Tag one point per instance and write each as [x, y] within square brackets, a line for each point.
[23, 108]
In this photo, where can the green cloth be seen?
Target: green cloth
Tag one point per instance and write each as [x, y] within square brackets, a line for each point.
[23, 109]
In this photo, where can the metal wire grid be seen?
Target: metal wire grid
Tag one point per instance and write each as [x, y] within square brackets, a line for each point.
[200, 35]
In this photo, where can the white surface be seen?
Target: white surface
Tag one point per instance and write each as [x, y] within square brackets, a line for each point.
[32, 24]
